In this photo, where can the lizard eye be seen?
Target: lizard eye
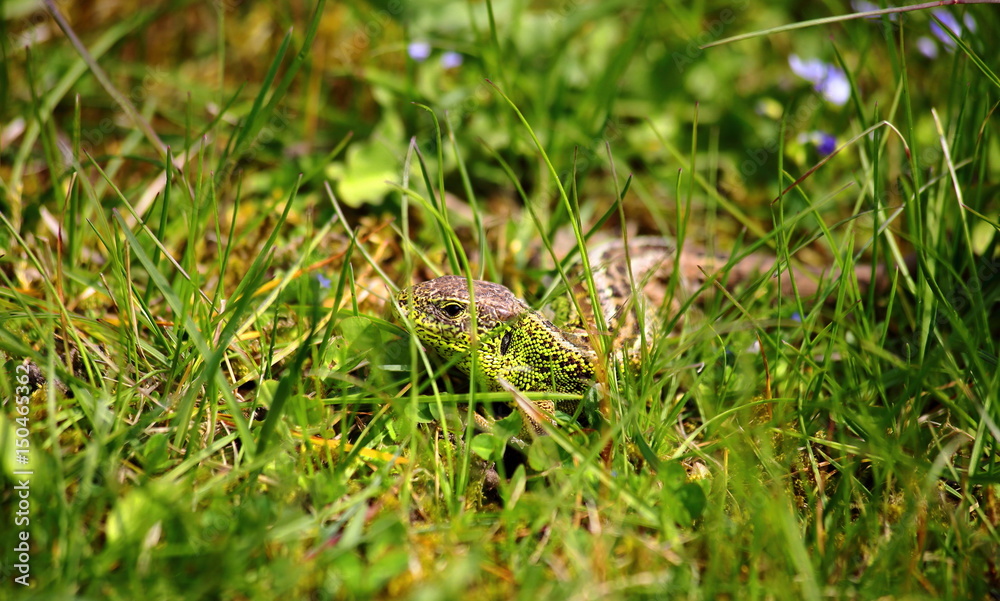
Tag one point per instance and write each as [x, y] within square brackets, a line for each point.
[452, 309]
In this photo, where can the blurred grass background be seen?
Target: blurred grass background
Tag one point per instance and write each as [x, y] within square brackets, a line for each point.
[206, 318]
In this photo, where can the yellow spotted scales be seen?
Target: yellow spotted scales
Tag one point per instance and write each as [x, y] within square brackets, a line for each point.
[514, 342]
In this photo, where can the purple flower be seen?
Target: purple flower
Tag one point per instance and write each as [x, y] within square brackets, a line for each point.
[825, 143]
[862, 6]
[451, 60]
[324, 282]
[951, 23]
[927, 47]
[419, 51]
[827, 79]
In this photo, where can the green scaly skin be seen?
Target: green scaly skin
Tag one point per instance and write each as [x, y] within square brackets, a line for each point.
[513, 343]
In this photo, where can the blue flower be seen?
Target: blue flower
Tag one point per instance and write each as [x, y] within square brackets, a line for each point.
[927, 47]
[951, 23]
[324, 282]
[419, 51]
[828, 80]
[451, 60]
[862, 6]
[825, 143]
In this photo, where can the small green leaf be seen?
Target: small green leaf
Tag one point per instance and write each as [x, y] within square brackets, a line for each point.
[365, 173]
[647, 453]
[693, 498]
[513, 490]
[361, 333]
[266, 393]
[485, 445]
[154, 453]
[426, 413]
[672, 474]
[543, 453]
[509, 426]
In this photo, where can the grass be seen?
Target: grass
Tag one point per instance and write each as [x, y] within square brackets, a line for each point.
[206, 209]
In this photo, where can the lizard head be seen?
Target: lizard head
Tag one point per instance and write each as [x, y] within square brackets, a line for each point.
[439, 310]
[509, 341]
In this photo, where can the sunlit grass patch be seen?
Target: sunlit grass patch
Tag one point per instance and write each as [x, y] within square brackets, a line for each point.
[205, 211]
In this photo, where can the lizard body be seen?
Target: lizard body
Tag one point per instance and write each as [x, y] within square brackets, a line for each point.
[515, 344]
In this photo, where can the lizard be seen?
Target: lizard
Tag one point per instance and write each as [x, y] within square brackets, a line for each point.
[518, 346]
